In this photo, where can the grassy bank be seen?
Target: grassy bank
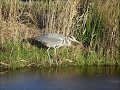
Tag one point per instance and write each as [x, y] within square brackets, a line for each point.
[96, 24]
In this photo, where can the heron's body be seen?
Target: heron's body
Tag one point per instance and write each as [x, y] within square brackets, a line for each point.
[55, 40]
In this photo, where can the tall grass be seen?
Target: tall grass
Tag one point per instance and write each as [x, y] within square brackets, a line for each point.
[100, 29]
[95, 23]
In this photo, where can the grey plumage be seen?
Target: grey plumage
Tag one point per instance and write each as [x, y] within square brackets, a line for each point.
[55, 40]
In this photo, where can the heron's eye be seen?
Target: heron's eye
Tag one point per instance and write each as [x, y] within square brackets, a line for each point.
[72, 37]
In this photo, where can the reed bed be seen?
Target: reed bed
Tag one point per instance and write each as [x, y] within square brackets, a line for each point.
[95, 23]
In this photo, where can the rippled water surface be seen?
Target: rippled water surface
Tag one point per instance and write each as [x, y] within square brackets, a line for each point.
[67, 78]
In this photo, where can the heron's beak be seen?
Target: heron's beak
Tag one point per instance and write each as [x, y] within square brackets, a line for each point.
[76, 41]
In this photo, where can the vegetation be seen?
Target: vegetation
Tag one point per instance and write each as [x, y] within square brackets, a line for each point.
[95, 23]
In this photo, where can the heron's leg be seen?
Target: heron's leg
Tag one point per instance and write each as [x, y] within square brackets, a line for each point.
[55, 58]
[49, 55]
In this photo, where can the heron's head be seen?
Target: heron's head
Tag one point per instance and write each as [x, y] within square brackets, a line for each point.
[72, 38]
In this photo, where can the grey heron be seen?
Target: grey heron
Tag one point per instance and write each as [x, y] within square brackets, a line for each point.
[55, 40]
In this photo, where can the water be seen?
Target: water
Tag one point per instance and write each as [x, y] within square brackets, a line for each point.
[68, 78]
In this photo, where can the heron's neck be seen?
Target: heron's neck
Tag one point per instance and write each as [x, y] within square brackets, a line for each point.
[68, 42]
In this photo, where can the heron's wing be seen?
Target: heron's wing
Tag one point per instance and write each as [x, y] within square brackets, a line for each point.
[51, 36]
[55, 35]
[51, 40]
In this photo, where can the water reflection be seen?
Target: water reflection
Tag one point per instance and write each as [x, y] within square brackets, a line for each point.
[67, 78]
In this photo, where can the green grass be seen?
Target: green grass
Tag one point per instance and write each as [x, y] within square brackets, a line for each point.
[25, 55]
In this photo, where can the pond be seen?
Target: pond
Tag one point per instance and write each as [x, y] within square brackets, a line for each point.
[62, 78]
